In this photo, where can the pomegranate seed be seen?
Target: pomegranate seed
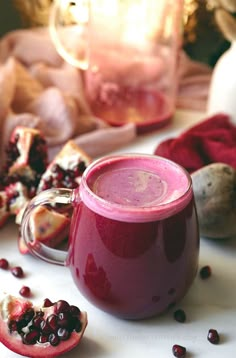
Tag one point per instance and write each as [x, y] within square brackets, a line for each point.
[52, 322]
[81, 167]
[25, 291]
[53, 339]
[74, 310]
[63, 334]
[17, 271]
[59, 175]
[28, 315]
[180, 316]
[178, 351]
[37, 321]
[4, 264]
[45, 328]
[43, 338]
[205, 272]
[47, 303]
[64, 319]
[213, 336]
[62, 306]
[31, 337]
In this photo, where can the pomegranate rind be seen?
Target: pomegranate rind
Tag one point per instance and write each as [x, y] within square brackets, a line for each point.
[38, 350]
[4, 213]
[48, 226]
[23, 248]
[20, 213]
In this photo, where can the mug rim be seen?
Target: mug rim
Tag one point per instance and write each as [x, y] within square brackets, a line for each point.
[133, 213]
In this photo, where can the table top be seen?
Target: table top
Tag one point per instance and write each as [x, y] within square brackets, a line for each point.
[210, 303]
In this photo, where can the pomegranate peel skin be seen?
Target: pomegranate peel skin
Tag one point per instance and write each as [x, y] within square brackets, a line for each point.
[4, 213]
[49, 226]
[22, 246]
[11, 307]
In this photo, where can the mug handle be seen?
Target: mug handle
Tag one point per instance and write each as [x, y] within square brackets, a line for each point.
[47, 197]
[59, 10]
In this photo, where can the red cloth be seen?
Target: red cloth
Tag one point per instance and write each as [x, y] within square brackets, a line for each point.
[212, 140]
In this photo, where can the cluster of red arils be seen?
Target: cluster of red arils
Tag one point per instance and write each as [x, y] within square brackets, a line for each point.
[46, 331]
[27, 171]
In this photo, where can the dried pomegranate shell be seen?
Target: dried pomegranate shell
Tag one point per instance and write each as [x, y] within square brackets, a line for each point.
[23, 332]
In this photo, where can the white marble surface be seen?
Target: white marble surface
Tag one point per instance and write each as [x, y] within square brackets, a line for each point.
[209, 303]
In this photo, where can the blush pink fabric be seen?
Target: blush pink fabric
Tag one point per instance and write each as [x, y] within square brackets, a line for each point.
[38, 89]
[212, 140]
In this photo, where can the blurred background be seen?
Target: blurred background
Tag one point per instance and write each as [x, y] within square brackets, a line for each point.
[203, 41]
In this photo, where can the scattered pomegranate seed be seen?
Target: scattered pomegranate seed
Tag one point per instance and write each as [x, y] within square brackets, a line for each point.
[213, 336]
[205, 272]
[4, 264]
[25, 291]
[180, 316]
[178, 351]
[17, 271]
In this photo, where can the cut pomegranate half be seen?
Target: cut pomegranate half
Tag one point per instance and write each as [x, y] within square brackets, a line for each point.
[66, 168]
[40, 332]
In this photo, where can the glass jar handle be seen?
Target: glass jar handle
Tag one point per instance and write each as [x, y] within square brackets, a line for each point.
[69, 27]
[47, 197]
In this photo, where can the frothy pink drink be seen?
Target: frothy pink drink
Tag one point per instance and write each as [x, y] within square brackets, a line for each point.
[134, 238]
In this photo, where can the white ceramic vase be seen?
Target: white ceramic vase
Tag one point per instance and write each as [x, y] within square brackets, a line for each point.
[222, 91]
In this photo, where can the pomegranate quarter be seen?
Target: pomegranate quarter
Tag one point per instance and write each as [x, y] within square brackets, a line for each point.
[40, 331]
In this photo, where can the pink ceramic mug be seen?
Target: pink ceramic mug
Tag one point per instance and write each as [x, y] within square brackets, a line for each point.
[134, 241]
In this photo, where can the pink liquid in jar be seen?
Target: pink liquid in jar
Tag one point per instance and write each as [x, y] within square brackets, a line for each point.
[148, 109]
